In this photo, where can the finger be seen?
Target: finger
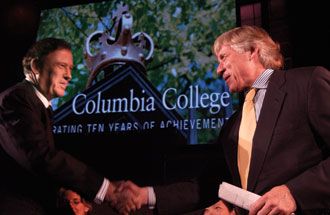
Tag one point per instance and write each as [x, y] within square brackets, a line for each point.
[121, 207]
[138, 205]
[133, 205]
[255, 207]
[265, 210]
[123, 210]
[136, 202]
[276, 212]
[129, 208]
[120, 186]
[126, 206]
[131, 200]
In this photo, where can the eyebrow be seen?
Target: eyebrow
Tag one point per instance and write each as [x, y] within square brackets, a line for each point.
[61, 63]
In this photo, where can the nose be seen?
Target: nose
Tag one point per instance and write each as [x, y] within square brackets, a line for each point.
[67, 74]
[73, 207]
[220, 69]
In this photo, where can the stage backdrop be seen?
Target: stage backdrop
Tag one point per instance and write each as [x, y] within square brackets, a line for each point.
[131, 116]
[183, 33]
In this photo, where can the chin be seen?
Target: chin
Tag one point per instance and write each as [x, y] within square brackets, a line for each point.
[232, 90]
[59, 94]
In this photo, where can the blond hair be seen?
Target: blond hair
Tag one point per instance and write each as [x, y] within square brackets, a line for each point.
[247, 38]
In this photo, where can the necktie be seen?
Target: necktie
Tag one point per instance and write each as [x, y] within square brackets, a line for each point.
[246, 133]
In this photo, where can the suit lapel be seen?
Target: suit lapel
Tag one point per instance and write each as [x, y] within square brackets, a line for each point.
[267, 121]
[38, 106]
[229, 138]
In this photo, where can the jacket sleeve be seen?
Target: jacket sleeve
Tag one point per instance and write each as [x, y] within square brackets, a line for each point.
[195, 194]
[311, 189]
[27, 137]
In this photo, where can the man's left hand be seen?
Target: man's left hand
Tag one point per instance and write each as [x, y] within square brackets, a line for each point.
[278, 200]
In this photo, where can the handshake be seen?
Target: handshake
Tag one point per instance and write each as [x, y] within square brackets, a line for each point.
[126, 197]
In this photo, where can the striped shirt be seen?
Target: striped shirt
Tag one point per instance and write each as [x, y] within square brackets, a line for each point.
[261, 83]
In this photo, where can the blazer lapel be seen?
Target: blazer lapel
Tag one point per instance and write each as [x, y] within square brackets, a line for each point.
[229, 138]
[267, 121]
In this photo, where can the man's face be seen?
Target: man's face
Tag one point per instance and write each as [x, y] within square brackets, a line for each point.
[56, 73]
[235, 68]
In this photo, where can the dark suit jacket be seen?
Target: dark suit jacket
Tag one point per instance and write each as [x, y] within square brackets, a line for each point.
[30, 164]
[291, 144]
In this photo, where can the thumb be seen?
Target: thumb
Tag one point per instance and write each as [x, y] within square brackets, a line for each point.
[132, 187]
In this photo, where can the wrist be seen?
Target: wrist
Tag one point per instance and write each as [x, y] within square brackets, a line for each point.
[144, 196]
[110, 191]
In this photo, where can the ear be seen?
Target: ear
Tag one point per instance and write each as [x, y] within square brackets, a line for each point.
[88, 206]
[254, 53]
[34, 66]
[86, 209]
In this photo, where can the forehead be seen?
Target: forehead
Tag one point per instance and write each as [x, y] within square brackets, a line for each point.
[225, 49]
[61, 55]
[69, 195]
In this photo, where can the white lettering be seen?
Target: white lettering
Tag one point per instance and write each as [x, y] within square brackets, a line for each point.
[114, 105]
[74, 104]
[213, 101]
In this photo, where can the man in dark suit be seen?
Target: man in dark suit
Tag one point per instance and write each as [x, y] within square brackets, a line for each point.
[31, 166]
[285, 159]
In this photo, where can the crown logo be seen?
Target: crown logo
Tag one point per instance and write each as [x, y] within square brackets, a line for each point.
[122, 49]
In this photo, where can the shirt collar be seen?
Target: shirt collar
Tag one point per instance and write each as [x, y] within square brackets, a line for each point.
[42, 98]
[262, 81]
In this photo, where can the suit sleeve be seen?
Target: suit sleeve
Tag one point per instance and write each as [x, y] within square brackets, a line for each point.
[28, 139]
[192, 196]
[177, 198]
[311, 188]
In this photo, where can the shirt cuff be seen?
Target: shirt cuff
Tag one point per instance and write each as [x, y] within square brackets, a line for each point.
[151, 198]
[99, 198]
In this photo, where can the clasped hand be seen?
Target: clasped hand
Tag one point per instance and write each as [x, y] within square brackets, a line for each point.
[126, 197]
